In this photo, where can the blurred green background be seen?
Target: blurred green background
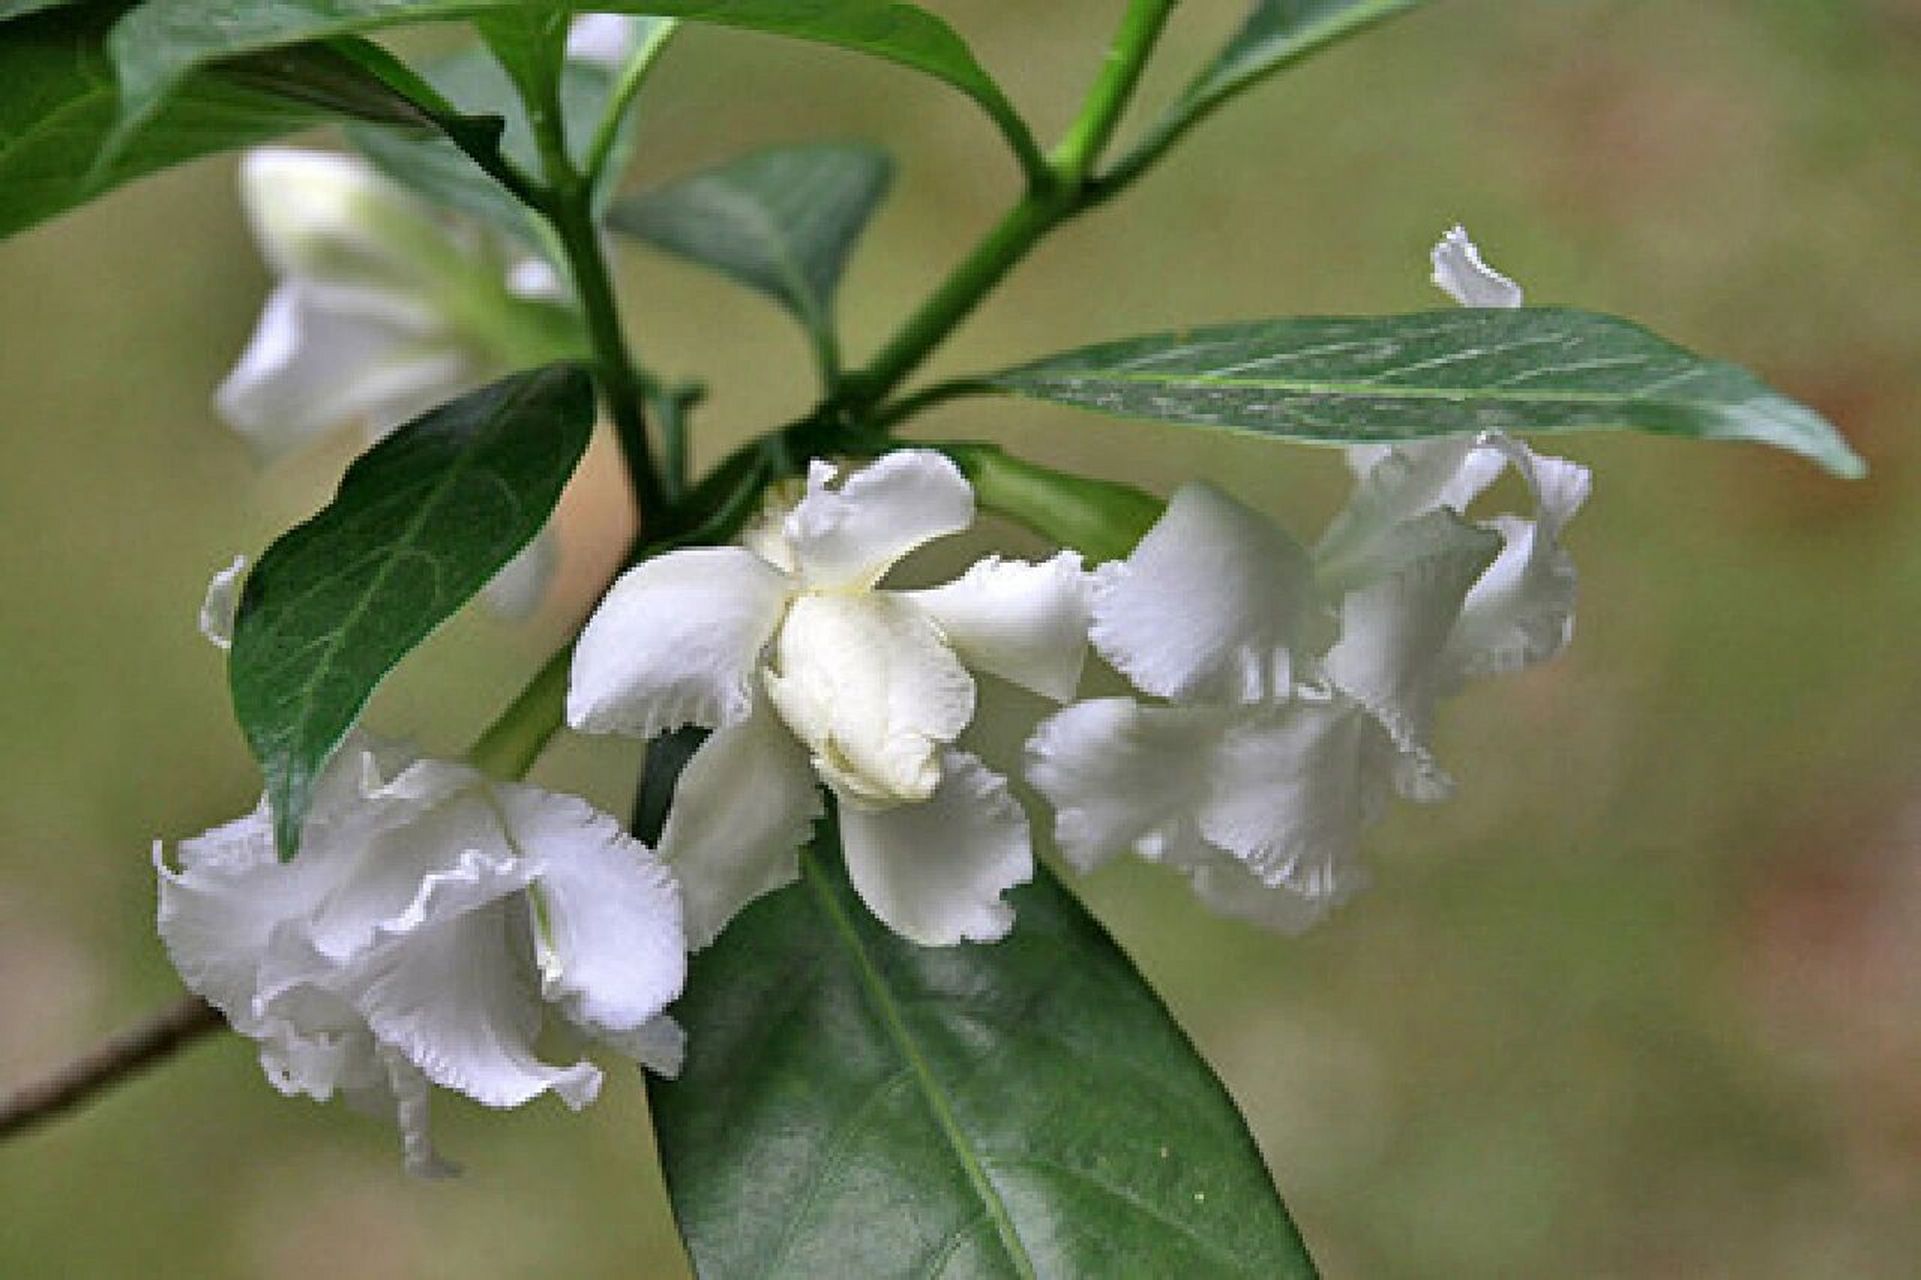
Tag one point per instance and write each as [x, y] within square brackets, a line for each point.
[1644, 1000]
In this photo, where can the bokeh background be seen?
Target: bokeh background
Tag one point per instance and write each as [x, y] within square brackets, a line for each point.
[1644, 1000]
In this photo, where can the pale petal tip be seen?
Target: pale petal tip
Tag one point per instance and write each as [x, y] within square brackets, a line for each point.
[222, 603]
[1462, 274]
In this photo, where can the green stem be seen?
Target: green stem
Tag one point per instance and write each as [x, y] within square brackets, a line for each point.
[569, 209]
[1113, 89]
[632, 76]
[1059, 193]
[1037, 213]
[510, 745]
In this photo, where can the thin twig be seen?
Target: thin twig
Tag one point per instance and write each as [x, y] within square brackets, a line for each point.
[113, 1061]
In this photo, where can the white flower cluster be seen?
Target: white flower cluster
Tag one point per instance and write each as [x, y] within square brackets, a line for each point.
[435, 920]
[433, 923]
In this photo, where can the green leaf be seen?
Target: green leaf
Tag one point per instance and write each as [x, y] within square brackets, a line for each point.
[163, 41]
[58, 105]
[1277, 34]
[855, 1105]
[10, 9]
[421, 522]
[1347, 379]
[348, 77]
[530, 43]
[782, 221]
[476, 86]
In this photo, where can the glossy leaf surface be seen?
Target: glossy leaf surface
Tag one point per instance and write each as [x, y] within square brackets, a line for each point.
[164, 40]
[854, 1105]
[420, 524]
[58, 105]
[1349, 379]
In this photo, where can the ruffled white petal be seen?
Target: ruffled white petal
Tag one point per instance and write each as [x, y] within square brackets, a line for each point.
[1212, 604]
[1290, 789]
[1230, 889]
[1460, 273]
[868, 683]
[1395, 630]
[934, 872]
[607, 936]
[1123, 777]
[849, 536]
[457, 1001]
[744, 806]
[222, 603]
[1521, 611]
[219, 910]
[676, 641]
[401, 946]
[1026, 623]
[1396, 484]
[433, 826]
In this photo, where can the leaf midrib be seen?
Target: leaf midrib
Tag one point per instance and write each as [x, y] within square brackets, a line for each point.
[884, 1004]
[1020, 379]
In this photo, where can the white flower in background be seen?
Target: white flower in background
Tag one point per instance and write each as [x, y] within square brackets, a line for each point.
[432, 923]
[606, 39]
[807, 670]
[1276, 750]
[384, 309]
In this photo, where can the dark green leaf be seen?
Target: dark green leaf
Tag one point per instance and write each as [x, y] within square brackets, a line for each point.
[1346, 379]
[349, 77]
[475, 84]
[10, 9]
[782, 221]
[421, 522]
[529, 41]
[854, 1105]
[164, 40]
[57, 107]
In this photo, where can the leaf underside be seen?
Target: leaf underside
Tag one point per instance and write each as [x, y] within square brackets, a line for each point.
[421, 522]
[1351, 379]
[782, 221]
[855, 1105]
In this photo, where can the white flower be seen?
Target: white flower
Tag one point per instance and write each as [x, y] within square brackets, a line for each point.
[807, 670]
[1460, 273]
[606, 39]
[433, 921]
[384, 310]
[1279, 750]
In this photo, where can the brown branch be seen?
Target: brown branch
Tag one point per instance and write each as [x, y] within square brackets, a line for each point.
[114, 1060]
